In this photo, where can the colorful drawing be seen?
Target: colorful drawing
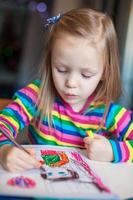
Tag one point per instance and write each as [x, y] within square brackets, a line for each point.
[54, 158]
[60, 173]
[96, 180]
[22, 182]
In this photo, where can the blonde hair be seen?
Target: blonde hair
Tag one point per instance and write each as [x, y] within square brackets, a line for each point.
[98, 28]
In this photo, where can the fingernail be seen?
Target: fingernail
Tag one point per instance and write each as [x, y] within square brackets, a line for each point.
[39, 164]
[41, 161]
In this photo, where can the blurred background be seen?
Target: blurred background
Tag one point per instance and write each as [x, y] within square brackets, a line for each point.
[22, 38]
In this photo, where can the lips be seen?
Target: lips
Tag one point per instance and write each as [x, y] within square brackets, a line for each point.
[70, 96]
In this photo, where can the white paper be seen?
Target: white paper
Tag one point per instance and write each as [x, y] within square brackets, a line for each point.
[82, 188]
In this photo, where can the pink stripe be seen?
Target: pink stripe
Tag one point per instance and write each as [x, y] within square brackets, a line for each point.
[31, 93]
[15, 106]
[123, 121]
[3, 127]
[125, 151]
[70, 139]
[2, 119]
[130, 136]
[2, 137]
[87, 104]
[77, 117]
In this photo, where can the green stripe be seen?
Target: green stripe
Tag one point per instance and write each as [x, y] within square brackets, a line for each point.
[63, 121]
[7, 114]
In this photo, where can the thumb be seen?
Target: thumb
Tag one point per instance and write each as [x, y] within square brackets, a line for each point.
[97, 136]
[88, 140]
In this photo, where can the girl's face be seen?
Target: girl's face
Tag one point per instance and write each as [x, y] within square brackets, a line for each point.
[77, 68]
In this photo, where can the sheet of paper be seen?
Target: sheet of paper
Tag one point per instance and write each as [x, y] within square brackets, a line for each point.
[82, 187]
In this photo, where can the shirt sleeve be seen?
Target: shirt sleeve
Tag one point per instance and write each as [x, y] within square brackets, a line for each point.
[120, 124]
[18, 114]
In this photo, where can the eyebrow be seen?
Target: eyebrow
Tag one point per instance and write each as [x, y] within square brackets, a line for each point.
[92, 70]
[60, 63]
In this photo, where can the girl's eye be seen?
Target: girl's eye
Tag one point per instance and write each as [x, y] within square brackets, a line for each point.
[61, 70]
[86, 76]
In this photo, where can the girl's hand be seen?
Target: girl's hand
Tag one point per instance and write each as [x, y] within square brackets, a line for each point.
[14, 159]
[98, 148]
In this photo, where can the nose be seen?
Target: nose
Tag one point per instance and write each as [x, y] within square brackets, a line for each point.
[71, 82]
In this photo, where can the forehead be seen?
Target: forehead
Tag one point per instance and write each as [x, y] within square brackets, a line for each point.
[69, 40]
[76, 49]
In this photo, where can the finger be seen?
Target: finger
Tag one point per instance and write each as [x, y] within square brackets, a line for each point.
[86, 145]
[31, 152]
[31, 161]
[25, 165]
[14, 167]
[28, 158]
[18, 164]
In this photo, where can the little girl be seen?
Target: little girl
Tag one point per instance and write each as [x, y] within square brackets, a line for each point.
[75, 95]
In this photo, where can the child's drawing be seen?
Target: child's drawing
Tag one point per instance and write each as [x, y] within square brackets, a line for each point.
[56, 174]
[54, 158]
[65, 171]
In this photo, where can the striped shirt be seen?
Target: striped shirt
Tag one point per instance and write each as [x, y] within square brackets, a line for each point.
[68, 126]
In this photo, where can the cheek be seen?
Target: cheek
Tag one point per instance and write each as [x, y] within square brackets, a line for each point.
[54, 75]
[58, 82]
[96, 80]
[90, 85]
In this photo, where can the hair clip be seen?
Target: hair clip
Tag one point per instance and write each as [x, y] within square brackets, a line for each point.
[52, 20]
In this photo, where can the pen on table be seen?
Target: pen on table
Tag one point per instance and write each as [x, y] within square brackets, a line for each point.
[15, 143]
